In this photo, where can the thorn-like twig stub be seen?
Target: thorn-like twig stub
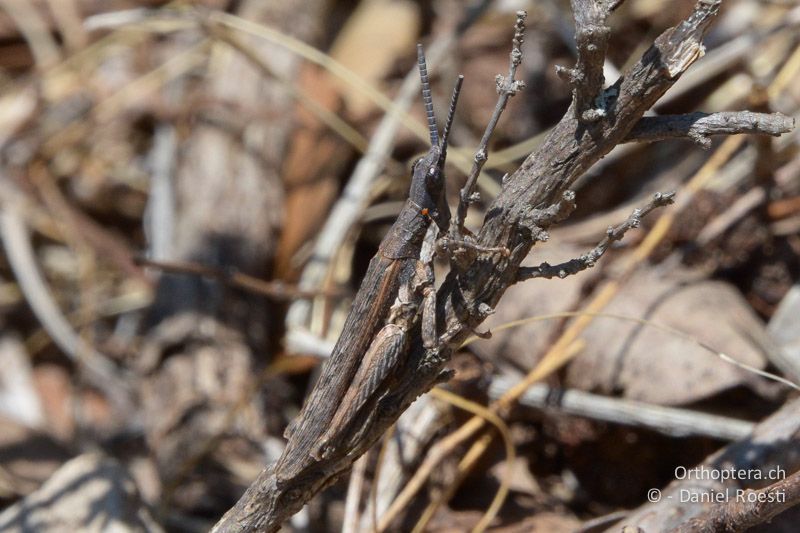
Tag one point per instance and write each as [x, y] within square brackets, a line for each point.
[510, 88]
[541, 235]
[544, 218]
[699, 139]
[665, 198]
[569, 75]
[593, 115]
[483, 334]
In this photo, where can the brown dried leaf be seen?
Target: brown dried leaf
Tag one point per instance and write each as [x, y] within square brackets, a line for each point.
[315, 159]
[196, 371]
[392, 23]
[520, 477]
[654, 366]
[89, 493]
[59, 398]
[27, 458]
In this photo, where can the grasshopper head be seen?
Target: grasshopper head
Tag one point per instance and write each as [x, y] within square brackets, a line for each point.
[427, 187]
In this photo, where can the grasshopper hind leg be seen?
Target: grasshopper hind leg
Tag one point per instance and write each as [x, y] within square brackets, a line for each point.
[369, 384]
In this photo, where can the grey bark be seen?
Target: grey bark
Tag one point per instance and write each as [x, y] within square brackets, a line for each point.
[531, 200]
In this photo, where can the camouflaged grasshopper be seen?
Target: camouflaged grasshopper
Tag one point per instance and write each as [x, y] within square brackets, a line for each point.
[397, 287]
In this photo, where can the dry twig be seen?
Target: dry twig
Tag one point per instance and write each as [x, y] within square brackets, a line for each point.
[768, 453]
[748, 509]
[532, 199]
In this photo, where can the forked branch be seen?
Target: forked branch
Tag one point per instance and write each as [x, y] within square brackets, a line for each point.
[534, 197]
[589, 259]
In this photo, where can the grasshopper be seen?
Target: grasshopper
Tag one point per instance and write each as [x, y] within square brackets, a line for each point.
[396, 289]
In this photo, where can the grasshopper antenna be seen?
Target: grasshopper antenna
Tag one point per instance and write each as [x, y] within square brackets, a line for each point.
[426, 96]
[450, 115]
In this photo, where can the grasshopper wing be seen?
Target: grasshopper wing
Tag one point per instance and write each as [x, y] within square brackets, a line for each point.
[376, 368]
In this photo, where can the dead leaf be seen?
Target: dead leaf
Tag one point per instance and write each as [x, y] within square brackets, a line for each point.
[89, 493]
[647, 364]
[392, 23]
[315, 159]
[521, 479]
[27, 458]
[57, 395]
